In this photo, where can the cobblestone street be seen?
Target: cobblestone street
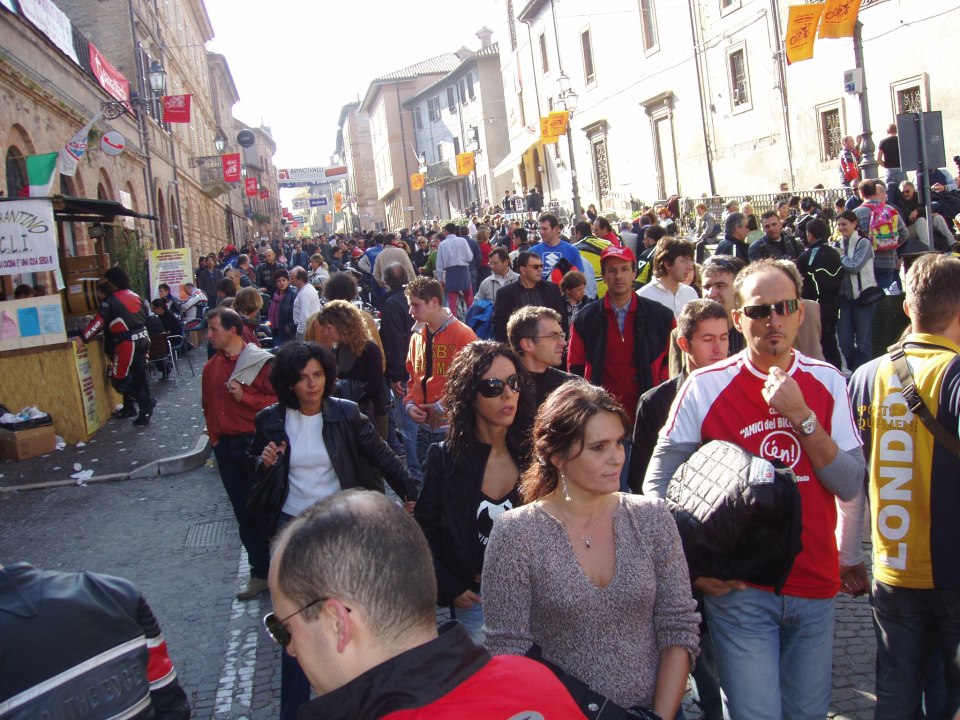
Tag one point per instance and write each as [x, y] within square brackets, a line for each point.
[177, 539]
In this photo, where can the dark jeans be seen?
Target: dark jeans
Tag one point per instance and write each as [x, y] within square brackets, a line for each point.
[910, 625]
[294, 685]
[829, 315]
[236, 473]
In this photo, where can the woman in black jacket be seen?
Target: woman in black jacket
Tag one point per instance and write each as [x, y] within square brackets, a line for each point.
[325, 445]
[473, 476]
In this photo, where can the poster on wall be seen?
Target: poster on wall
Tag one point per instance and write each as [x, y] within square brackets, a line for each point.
[173, 267]
[81, 355]
[28, 237]
[31, 322]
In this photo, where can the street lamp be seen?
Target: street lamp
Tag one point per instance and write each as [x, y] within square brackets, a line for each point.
[567, 100]
[220, 143]
[157, 77]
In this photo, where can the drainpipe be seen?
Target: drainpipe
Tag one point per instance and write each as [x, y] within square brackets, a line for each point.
[780, 54]
[701, 90]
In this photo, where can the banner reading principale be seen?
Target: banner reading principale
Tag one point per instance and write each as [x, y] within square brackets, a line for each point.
[173, 267]
[839, 18]
[801, 32]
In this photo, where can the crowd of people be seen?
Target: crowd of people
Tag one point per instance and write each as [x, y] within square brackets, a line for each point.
[528, 398]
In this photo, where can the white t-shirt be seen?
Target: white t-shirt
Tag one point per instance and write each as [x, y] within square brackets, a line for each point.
[655, 290]
[312, 476]
[305, 304]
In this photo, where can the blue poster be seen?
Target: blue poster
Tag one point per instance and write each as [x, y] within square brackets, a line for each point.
[51, 319]
[29, 320]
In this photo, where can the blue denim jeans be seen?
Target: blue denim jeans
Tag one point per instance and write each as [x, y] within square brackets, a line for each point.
[294, 685]
[236, 474]
[855, 332]
[774, 654]
[472, 620]
[910, 625]
[886, 277]
[408, 431]
[426, 438]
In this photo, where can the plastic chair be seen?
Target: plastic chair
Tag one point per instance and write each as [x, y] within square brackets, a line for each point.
[160, 352]
[177, 345]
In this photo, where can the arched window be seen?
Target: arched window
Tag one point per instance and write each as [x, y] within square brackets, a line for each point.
[16, 172]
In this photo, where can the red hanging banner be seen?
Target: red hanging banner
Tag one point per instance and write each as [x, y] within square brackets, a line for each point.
[251, 185]
[176, 108]
[231, 167]
[264, 194]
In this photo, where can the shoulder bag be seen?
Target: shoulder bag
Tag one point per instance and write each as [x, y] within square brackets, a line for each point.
[269, 492]
[916, 404]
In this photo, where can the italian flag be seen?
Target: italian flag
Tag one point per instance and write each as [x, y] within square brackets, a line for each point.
[41, 172]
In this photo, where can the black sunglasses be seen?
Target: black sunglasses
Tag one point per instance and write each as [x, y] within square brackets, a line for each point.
[277, 629]
[760, 312]
[495, 386]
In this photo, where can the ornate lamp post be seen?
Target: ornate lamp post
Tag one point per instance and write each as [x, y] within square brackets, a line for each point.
[567, 100]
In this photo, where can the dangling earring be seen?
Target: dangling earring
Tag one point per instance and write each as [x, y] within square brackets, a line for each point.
[566, 495]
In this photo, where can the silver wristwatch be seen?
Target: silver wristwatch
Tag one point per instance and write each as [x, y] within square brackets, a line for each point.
[807, 426]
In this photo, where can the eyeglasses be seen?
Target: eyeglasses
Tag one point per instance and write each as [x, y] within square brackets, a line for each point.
[277, 629]
[494, 387]
[760, 312]
[535, 267]
[556, 337]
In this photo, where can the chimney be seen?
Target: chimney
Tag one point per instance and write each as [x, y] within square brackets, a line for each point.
[484, 34]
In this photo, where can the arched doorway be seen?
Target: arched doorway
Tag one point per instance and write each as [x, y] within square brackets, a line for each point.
[16, 168]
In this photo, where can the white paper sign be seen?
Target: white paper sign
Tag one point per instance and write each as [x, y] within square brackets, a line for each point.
[52, 22]
[28, 237]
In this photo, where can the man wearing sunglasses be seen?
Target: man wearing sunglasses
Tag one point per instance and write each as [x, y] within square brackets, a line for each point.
[776, 403]
[354, 592]
[530, 289]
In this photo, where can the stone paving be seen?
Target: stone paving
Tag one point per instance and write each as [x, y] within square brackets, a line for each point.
[119, 447]
[177, 539]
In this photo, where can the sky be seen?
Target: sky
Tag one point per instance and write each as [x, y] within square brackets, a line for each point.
[296, 63]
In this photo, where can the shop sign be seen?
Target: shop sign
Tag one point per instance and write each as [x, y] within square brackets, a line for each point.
[174, 267]
[28, 237]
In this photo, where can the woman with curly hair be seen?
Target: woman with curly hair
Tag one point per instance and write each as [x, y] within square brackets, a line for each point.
[473, 476]
[340, 326]
[596, 578]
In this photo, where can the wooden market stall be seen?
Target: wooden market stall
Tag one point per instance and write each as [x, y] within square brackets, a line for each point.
[42, 361]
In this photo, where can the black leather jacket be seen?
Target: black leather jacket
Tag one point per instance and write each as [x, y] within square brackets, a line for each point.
[353, 443]
[447, 513]
[95, 633]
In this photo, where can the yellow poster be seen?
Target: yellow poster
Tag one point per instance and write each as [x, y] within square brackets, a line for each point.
[557, 124]
[839, 18]
[801, 32]
[548, 140]
[465, 163]
[88, 394]
[338, 202]
[173, 267]
[417, 181]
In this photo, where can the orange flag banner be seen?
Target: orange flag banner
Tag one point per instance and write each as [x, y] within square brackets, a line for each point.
[465, 163]
[558, 122]
[839, 18]
[801, 32]
[417, 180]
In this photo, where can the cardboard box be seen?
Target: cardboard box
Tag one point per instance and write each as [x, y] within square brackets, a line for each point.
[26, 444]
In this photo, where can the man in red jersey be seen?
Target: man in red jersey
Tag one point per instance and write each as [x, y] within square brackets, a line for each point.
[354, 593]
[773, 652]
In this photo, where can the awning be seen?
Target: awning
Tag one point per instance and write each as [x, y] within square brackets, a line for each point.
[75, 209]
[510, 162]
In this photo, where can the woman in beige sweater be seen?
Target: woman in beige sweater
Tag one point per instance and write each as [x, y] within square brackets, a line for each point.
[594, 577]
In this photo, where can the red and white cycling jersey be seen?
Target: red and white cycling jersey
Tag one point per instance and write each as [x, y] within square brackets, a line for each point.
[725, 402]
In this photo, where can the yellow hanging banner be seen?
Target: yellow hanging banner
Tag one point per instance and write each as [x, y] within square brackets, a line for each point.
[839, 18]
[558, 122]
[548, 140]
[465, 163]
[338, 202]
[417, 181]
[801, 32]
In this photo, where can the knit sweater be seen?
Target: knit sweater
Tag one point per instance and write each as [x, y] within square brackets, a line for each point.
[534, 591]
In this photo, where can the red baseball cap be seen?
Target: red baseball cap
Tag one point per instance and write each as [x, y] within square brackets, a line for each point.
[619, 253]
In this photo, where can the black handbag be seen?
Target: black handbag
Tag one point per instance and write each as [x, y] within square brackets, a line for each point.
[869, 296]
[269, 492]
[594, 705]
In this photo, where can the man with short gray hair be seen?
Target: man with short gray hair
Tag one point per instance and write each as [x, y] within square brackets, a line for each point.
[307, 300]
[354, 593]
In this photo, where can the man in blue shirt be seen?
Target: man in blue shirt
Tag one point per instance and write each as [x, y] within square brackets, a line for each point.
[552, 249]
